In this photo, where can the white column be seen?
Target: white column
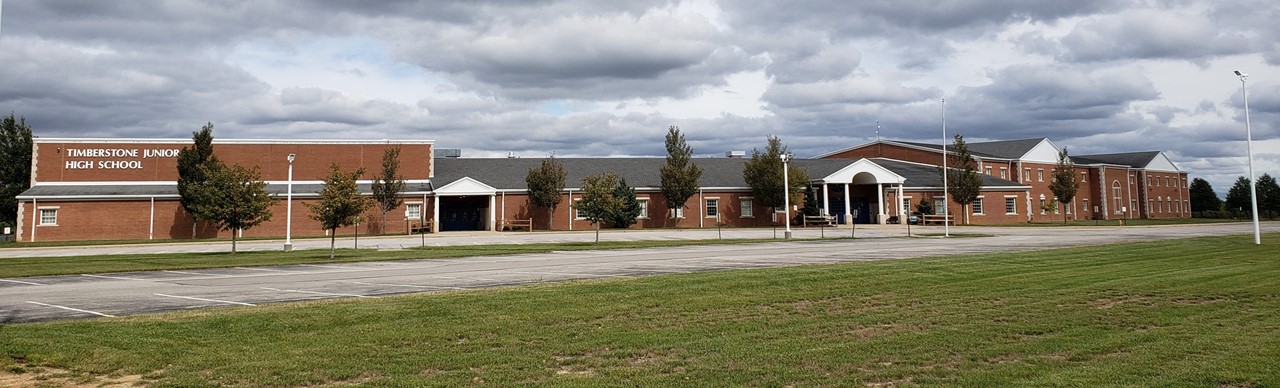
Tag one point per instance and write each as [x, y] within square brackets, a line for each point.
[880, 204]
[848, 213]
[493, 213]
[902, 211]
[570, 209]
[435, 216]
[825, 198]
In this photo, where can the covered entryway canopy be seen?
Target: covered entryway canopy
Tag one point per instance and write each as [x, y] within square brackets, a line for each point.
[861, 172]
[464, 204]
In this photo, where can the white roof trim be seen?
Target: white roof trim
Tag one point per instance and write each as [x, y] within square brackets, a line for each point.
[466, 186]
[849, 173]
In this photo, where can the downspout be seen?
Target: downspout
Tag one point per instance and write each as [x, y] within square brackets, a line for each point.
[151, 228]
[702, 205]
[571, 209]
[35, 212]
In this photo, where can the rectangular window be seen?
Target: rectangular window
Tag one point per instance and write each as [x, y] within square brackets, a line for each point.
[988, 170]
[49, 216]
[1042, 204]
[644, 208]
[1084, 177]
[577, 215]
[677, 213]
[1011, 205]
[906, 204]
[977, 206]
[713, 207]
[1026, 175]
[1004, 173]
[748, 207]
[937, 205]
[1166, 182]
[413, 211]
[1040, 174]
[1069, 208]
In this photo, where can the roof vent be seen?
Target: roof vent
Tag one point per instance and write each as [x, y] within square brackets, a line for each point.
[735, 154]
[449, 153]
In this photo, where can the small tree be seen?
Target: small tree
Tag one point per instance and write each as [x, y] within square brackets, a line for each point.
[192, 163]
[1064, 185]
[925, 206]
[963, 182]
[340, 203]
[810, 202]
[1268, 196]
[628, 206]
[1203, 198]
[233, 198]
[15, 165]
[679, 175]
[598, 202]
[389, 187]
[763, 173]
[545, 183]
[1239, 198]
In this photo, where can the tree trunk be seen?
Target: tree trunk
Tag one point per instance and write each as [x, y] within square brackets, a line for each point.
[233, 241]
[356, 244]
[551, 215]
[597, 232]
[333, 236]
[384, 223]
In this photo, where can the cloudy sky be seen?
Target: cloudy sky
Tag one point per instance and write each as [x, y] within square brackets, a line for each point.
[601, 78]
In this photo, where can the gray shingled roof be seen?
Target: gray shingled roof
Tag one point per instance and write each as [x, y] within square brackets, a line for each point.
[171, 190]
[1005, 149]
[509, 174]
[1131, 159]
[922, 175]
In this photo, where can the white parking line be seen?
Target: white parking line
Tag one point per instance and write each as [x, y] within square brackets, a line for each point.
[73, 309]
[409, 285]
[326, 266]
[206, 300]
[264, 269]
[196, 274]
[21, 282]
[590, 275]
[108, 277]
[457, 278]
[318, 293]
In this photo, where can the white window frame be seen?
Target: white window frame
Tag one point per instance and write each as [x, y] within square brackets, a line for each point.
[746, 207]
[677, 213]
[977, 205]
[1086, 205]
[1084, 176]
[1004, 173]
[1026, 174]
[51, 209]
[1040, 174]
[707, 210]
[1010, 200]
[988, 169]
[644, 208]
[577, 215]
[1042, 203]
[908, 204]
[407, 212]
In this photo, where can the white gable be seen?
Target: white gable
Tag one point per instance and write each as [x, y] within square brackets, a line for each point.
[863, 171]
[1045, 152]
[1162, 163]
[466, 186]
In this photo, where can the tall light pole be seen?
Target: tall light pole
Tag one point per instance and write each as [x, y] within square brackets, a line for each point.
[1253, 183]
[946, 225]
[786, 195]
[288, 217]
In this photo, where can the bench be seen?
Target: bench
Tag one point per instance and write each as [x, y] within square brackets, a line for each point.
[526, 223]
[819, 220]
[938, 219]
[416, 227]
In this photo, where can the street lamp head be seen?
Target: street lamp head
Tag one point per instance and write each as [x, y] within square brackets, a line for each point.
[785, 157]
[291, 157]
[1238, 73]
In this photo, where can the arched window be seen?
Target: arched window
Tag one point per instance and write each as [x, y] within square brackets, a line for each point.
[1115, 195]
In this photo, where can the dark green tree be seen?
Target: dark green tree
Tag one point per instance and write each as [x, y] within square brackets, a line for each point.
[340, 203]
[763, 173]
[389, 187]
[598, 203]
[628, 206]
[925, 206]
[545, 183]
[1203, 198]
[963, 182]
[232, 197]
[1239, 199]
[1064, 185]
[15, 165]
[810, 207]
[679, 175]
[192, 162]
[1268, 196]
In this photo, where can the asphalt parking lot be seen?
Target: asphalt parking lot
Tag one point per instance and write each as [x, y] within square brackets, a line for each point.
[119, 294]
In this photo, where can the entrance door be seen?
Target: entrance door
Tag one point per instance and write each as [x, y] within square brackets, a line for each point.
[863, 210]
[835, 202]
[463, 213]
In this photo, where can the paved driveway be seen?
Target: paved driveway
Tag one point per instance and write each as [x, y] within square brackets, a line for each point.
[118, 294]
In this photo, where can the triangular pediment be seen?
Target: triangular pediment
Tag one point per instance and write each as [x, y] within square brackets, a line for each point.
[863, 171]
[1044, 152]
[1162, 163]
[466, 186]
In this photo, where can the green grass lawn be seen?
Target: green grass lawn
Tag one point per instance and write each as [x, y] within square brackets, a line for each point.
[73, 265]
[1196, 312]
[1131, 222]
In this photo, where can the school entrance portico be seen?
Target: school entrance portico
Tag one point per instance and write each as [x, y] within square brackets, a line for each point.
[464, 204]
[856, 193]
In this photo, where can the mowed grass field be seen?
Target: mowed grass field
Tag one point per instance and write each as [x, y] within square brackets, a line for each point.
[1195, 312]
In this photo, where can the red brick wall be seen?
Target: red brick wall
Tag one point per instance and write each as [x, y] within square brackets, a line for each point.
[312, 161]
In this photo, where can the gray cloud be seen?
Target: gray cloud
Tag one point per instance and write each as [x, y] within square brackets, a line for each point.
[1149, 33]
